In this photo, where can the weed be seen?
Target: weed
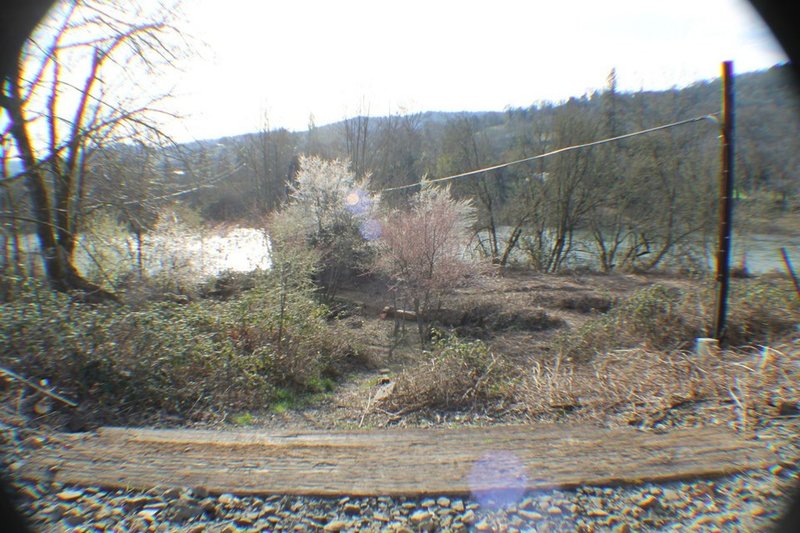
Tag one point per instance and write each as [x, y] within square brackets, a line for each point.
[244, 419]
[455, 374]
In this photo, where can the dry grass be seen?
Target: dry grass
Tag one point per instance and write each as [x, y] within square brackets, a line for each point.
[454, 375]
[641, 386]
[632, 365]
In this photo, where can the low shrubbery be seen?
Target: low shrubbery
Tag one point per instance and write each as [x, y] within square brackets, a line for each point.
[453, 375]
[133, 363]
[663, 318]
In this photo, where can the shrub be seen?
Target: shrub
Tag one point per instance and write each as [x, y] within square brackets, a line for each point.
[759, 311]
[327, 219]
[127, 365]
[455, 375]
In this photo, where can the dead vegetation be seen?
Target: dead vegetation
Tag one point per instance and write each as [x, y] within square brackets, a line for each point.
[633, 364]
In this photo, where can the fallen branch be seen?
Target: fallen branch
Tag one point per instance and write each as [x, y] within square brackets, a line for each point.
[39, 388]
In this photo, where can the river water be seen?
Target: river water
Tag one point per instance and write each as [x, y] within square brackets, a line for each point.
[246, 249]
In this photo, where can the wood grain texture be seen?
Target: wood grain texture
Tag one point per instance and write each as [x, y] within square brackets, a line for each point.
[392, 462]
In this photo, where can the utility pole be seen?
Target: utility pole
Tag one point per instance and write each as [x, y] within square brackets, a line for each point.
[725, 202]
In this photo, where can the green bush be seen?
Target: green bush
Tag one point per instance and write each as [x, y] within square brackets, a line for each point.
[126, 364]
[456, 375]
[762, 310]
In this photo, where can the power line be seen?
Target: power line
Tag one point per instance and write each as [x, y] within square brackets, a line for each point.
[712, 117]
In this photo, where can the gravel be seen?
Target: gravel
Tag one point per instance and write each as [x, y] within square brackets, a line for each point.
[744, 502]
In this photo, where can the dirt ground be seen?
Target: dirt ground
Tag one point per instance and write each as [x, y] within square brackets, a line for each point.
[517, 315]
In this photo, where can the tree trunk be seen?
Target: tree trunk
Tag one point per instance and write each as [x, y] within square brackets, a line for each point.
[61, 273]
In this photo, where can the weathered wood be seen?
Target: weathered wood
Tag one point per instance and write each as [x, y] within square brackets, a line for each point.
[392, 462]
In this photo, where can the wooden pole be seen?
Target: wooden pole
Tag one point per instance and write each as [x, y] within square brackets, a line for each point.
[790, 270]
[725, 202]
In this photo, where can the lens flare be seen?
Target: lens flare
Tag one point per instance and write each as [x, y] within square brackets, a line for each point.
[498, 479]
[371, 229]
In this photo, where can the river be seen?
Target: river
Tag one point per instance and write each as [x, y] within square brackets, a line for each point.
[246, 249]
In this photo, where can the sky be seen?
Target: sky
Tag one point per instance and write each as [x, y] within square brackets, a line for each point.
[291, 59]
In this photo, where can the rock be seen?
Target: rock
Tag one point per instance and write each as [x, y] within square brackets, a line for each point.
[226, 499]
[647, 502]
[69, 495]
[623, 528]
[553, 510]
[229, 529]
[458, 506]
[29, 492]
[335, 525]
[352, 509]
[148, 515]
[469, 517]
[758, 511]
[427, 503]
[34, 442]
[296, 506]
[200, 492]
[380, 517]
[776, 470]
[136, 502]
[529, 515]
[183, 510]
[420, 516]
[171, 493]
[671, 495]
[597, 513]
[483, 525]
[443, 502]
[74, 518]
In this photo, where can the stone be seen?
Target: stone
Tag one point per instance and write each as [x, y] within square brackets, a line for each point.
[351, 509]
[420, 516]
[443, 502]
[335, 525]
[33, 442]
[200, 492]
[597, 513]
[183, 510]
[427, 503]
[458, 506]
[171, 493]
[553, 510]
[380, 517]
[483, 525]
[469, 517]
[148, 515]
[69, 495]
[529, 515]
[74, 518]
[647, 502]
[758, 511]
[29, 492]
[226, 499]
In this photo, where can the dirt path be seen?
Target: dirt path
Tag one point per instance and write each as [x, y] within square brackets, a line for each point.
[390, 462]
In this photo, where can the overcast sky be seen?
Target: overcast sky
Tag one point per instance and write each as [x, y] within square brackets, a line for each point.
[334, 58]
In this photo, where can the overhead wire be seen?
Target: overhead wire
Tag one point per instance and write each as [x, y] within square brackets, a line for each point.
[711, 117]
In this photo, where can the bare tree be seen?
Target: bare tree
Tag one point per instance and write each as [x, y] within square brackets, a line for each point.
[65, 103]
[423, 249]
